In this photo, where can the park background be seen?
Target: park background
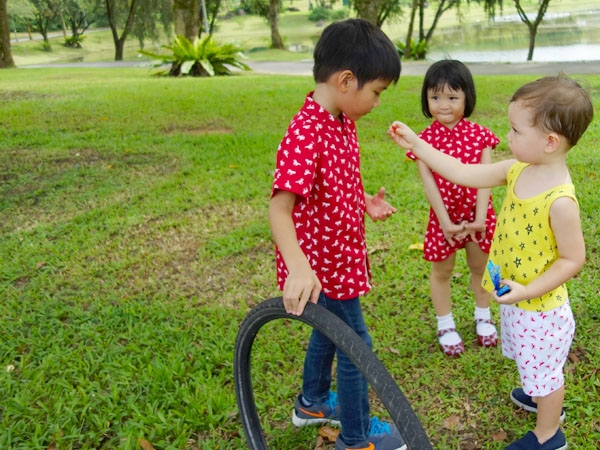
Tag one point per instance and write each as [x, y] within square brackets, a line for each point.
[134, 239]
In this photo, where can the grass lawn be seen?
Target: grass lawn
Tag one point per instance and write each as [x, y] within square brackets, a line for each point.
[134, 239]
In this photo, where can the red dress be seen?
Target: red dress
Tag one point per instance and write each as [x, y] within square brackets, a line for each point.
[465, 142]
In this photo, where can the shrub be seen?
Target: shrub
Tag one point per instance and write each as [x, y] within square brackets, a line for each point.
[416, 51]
[319, 13]
[203, 58]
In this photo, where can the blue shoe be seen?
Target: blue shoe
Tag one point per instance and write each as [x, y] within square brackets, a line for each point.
[530, 442]
[521, 399]
[317, 413]
[382, 436]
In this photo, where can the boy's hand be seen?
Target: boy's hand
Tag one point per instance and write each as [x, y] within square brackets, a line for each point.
[402, 135]
[301, 286]
[377, 207]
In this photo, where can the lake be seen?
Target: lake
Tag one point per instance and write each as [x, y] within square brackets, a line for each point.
[565, 36]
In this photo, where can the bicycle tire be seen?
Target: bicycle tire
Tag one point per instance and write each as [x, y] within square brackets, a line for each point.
[347, 341]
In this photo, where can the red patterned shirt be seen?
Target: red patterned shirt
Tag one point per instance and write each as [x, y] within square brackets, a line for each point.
[319, 161]
[465, 142]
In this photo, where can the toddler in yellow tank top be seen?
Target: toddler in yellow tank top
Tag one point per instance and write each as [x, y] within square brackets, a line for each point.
[538, 242]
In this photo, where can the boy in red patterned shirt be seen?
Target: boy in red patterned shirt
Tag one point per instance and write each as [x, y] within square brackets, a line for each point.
[317, 214]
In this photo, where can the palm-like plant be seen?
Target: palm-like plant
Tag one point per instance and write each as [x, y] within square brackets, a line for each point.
[202, 58]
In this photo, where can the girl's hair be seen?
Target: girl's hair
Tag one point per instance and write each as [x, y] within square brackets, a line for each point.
[451, 73]
[359, 46]
[559, 104]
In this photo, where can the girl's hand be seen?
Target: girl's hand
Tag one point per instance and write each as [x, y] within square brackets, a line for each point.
[473, 228]
[377, 207]
[402, 135]
[454, 233]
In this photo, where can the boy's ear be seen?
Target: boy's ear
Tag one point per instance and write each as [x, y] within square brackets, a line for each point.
[344, 79]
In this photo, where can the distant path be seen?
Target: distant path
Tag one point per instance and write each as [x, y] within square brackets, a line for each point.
[419, 68]
[408, 68]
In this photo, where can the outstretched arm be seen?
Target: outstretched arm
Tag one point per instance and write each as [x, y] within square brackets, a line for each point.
[302, 284]
[473, 175]
[481, 204]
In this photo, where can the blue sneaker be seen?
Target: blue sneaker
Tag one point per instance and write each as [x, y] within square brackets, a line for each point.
[530, 442]
[521, 399]
[317, 413]
[382, 436]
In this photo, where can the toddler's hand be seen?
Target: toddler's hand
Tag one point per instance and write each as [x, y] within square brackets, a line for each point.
[402, 135]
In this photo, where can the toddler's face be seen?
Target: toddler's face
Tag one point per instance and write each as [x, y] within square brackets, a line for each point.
[446, 105]
[526, 141]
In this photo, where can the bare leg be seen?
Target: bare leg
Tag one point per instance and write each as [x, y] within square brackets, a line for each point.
[439, 285]
[548, 416]
[477, 261]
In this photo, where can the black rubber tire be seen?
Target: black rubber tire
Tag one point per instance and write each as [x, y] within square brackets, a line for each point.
[347, 341]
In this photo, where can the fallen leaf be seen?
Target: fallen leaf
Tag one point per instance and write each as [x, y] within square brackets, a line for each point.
[452, 422]
[416, 246]
[328, 433]
[145, 445]
[320, 445]
[499, 436]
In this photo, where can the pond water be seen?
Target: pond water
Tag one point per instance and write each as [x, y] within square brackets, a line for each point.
[561, 37]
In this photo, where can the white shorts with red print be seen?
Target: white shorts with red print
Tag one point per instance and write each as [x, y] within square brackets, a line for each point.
[539, 343]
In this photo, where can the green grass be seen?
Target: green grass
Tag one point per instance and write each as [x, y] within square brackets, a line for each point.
[134, 239]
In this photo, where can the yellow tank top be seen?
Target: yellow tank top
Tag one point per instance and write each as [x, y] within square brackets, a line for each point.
[524, 245]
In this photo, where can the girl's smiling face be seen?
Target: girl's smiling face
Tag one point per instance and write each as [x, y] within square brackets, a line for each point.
[446, 105]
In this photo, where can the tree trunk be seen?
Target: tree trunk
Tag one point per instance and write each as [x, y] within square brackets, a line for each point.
[411, 26]
[112, 21]
[532, 26]
[532, 34]
[276, 41]
[368, 9]
[186, 18]
[6, 59]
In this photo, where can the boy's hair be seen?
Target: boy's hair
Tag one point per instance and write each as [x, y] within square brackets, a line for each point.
[455, 75]
[359, 46]
[559, 104]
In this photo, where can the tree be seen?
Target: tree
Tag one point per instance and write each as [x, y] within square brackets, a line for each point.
[532, 26]
[268, 9]
[120, 13]
[186, 18]
[377, 11]
[6, 59]
[80, 15]
[45, 11]
[150, 16]
[273, 18]
[419, 50]
[490, 8]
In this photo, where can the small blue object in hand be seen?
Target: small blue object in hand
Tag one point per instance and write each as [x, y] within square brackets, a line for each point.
[494, 271]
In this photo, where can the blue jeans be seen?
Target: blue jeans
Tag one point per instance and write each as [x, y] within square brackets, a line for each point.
[352, 387]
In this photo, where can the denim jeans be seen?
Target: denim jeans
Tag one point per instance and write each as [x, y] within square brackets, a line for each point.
[352, 388]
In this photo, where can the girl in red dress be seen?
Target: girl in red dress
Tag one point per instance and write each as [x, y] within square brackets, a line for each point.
[459, 217]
